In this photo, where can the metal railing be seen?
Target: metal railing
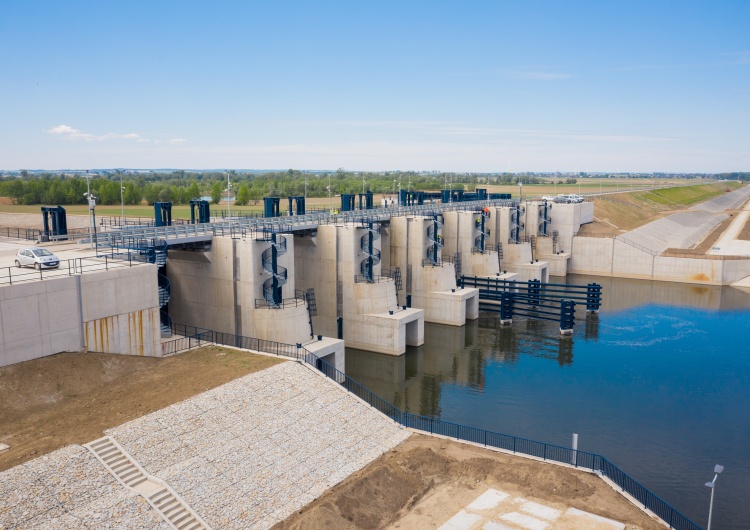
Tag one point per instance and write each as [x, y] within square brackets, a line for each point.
[385, 275]
[295, 222]
[547, 452]
[70, 267]
[286, 302]
[446, 260]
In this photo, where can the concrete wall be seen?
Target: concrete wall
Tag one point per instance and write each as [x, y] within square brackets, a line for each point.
[120, 309]
[115, 311]
[433, 288]
[218, 290]
[611, 257]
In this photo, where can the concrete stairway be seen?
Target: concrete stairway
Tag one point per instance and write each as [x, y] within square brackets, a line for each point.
[159, 495]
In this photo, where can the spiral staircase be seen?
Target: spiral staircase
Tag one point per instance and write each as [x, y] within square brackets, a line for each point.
[480, 241]
[434, 239]
[372, 255]
[544, 218]
[516, 225]
[270, 257]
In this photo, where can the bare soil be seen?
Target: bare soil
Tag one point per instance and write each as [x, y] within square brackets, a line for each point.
[70, 398]
[745, 232]
[425, 481]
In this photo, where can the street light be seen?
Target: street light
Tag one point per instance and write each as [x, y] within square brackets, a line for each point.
[88, 197]
[717, 469]
[229, 207]
[122, 199]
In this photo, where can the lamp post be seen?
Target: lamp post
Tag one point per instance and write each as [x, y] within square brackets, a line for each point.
[88, 198]
[229, 206]
[122, 200]
[717, 470]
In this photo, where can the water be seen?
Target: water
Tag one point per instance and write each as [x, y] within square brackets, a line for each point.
[659, 384]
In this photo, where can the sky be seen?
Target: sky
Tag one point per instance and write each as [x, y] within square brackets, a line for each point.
[486, 86]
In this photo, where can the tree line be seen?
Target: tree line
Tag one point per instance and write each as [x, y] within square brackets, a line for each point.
[180, 187]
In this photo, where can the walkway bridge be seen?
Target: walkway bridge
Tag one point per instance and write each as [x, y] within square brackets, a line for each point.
[204, 232]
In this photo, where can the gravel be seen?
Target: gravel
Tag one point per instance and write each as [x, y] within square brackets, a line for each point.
[243, 455]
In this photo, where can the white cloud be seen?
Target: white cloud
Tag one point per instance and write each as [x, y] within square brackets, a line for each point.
[66, 132]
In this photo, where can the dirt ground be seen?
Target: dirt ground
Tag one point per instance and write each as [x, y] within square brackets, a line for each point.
[70, 398]
[425, 481]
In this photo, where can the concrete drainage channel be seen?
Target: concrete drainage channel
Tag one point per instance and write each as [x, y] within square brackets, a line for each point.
[159, 495]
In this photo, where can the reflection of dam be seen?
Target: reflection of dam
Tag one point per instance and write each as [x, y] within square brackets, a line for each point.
[454, 356]
[415, 382]
[624, 293]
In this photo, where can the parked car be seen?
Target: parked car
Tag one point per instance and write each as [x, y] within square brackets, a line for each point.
[548, 198]
[575, 198]
[561, 198]
[39, 258]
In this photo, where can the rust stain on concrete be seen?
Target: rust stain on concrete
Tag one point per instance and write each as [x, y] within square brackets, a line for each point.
[700, 278]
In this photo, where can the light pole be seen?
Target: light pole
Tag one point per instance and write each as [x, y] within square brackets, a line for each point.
[229, 206]
[88, 198]
[122, 200]
[717, 470]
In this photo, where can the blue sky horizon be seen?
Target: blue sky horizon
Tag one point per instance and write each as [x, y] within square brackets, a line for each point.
[481, 86]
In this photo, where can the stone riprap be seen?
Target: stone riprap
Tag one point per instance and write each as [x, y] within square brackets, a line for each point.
[728, 201]
[70, 489]
[243, 455]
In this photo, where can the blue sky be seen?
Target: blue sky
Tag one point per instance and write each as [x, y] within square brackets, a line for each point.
[459, 86]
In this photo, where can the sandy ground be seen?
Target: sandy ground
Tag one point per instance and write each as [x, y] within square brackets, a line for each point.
[34, 220]
[70, 398]
[425, 481]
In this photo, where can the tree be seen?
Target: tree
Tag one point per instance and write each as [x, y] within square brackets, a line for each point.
[243, 196]
[216, 193]
[194, 192]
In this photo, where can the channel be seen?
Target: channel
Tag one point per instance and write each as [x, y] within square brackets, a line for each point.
[658, 382]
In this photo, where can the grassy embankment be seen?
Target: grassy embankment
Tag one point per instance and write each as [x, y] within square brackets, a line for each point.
[620, 212]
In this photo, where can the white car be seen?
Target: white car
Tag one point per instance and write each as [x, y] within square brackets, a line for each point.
[39, 258]
[548, 198]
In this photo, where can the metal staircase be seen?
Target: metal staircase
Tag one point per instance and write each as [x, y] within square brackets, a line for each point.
[480, 241]
[435, 239]
[544, 218]
[270, 260]
[516, 225]
[367, 266]
[165, 320]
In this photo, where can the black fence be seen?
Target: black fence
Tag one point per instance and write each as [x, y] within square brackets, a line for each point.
[547, 452]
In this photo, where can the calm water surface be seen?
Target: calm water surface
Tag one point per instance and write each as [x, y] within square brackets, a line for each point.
[659, 383]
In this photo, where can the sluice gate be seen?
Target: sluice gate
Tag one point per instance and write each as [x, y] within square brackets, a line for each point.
[533, 299]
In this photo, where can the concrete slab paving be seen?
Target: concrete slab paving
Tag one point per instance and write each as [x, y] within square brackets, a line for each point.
[497, 510]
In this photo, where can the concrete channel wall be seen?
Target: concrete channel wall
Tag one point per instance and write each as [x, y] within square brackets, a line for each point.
[612, 257]
[114, 311]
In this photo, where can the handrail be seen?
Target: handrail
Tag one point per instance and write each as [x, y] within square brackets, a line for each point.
[548, 452]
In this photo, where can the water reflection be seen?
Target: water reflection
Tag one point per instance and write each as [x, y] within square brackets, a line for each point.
[659, 382]
[456, 356]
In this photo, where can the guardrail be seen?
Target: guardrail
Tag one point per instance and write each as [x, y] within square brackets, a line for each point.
[295, 222]
[70, 267]
[548, 452]
[29, 234]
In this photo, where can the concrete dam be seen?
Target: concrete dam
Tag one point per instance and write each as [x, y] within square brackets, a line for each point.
[366, 278]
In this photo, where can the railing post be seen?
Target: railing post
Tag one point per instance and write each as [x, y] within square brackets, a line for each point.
[10, 276]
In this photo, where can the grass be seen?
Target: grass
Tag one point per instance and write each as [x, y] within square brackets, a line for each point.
[688, 195]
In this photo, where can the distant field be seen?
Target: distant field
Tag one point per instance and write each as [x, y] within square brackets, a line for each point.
[679, 195]
[588, 185]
